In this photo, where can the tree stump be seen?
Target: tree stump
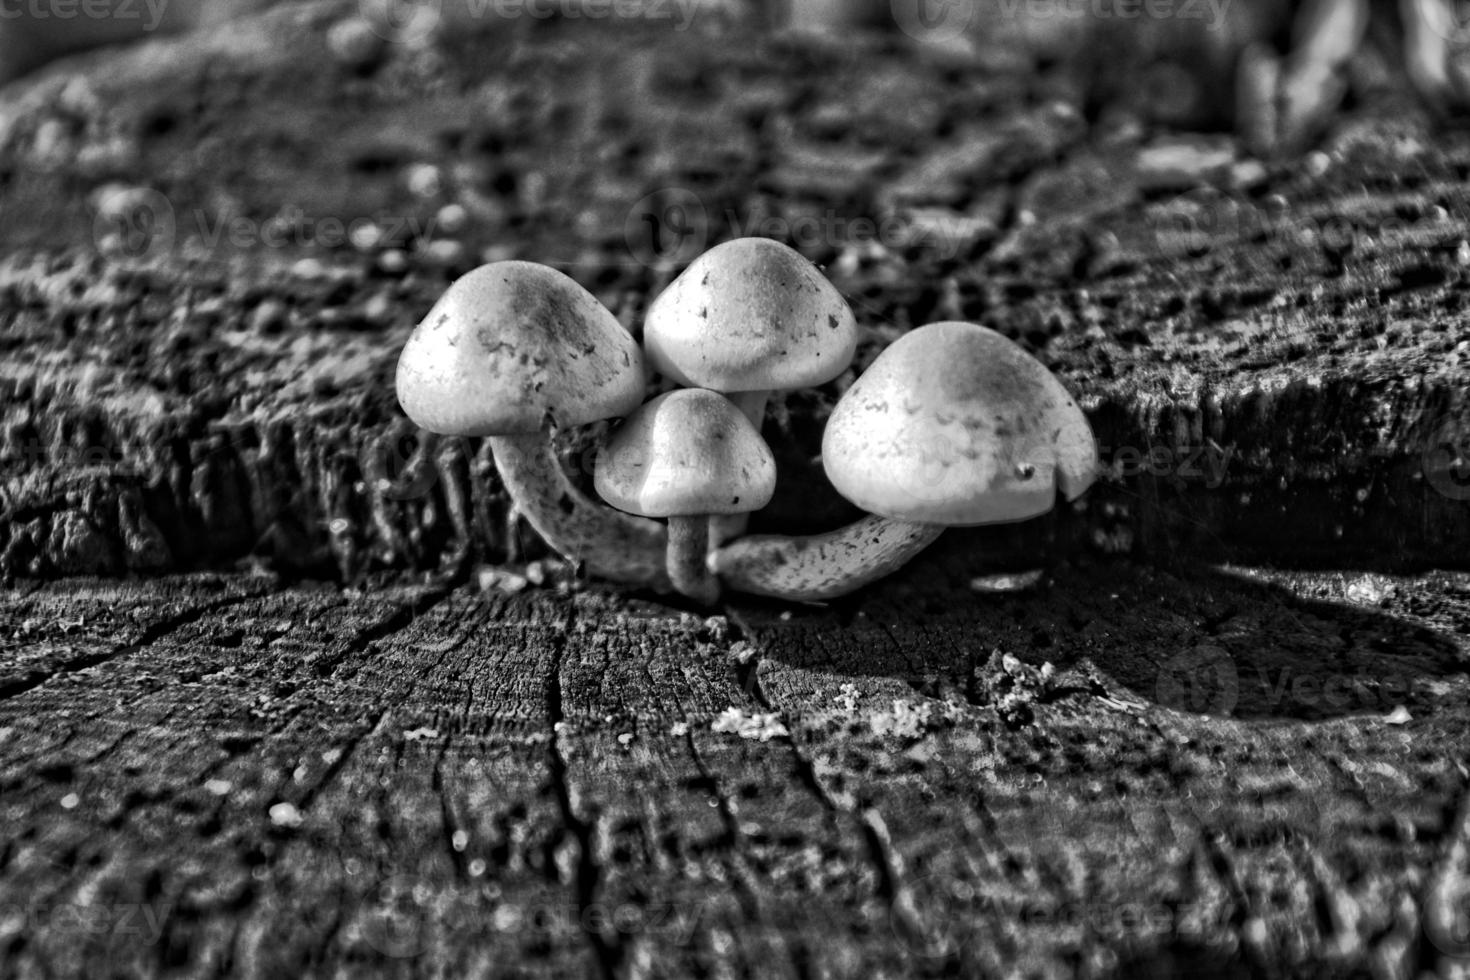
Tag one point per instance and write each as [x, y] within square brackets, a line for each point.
[260, 715]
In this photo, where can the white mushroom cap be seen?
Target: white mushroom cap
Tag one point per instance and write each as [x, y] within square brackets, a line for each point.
[511, 344]
[750, 315]
[954, 424]
[687, 453]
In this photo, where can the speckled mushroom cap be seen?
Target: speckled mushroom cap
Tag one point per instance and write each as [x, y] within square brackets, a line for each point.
[686, 453]
[750, 315]
[512, 344]
[954, 424]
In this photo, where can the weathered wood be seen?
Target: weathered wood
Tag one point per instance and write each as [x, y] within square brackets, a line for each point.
[321, 764]
[547, 781]
[1271, 356]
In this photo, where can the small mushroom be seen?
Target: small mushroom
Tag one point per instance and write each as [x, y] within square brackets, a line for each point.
[687, 455]
[745, 318]
[514, 350]
[952, 425]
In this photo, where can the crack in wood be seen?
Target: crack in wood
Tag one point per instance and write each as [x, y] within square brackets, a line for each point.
[327, 664]
[451, 824]
[737, 860]
[606, 944]
[1220, 862]
[882, 856]
[16, 686]
[1336, 910]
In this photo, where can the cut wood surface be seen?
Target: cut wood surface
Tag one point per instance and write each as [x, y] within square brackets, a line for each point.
[220, 776]
[277, 696]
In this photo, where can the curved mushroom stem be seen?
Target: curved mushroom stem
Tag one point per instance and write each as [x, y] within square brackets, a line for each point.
[821, 566]
[724, 527]
[613, 545]
[688, 547]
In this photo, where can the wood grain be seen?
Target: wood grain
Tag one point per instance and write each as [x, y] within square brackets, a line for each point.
[256, 717]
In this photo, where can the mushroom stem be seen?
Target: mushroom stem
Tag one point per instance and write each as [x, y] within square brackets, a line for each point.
[725, 527]
[688, 543]
[815, 567]
[613, 545]
[753, 404]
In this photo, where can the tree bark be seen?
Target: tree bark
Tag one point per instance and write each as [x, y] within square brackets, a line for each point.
[251, 722]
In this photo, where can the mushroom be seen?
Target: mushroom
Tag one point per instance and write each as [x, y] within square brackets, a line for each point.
[513, 351]
[746, 317]
[952, 425]
[687, 455]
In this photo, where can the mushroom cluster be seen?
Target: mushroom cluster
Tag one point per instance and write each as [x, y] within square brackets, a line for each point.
[952, 425]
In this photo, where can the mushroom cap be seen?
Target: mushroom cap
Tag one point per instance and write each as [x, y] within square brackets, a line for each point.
[750, 315]
[954, 424]
[686, 453]
[512, 344]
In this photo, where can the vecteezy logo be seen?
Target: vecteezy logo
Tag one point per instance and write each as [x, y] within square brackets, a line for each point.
[934, 470]
[1192, 221]
[934, 21]
[1203, 680]
[393, 917]
[402, 21]
[669, 226]
[1447, 458]
[134, 222]
[938, 467]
